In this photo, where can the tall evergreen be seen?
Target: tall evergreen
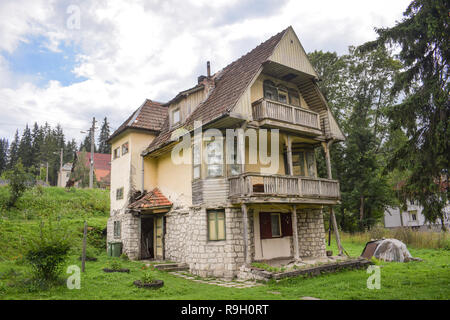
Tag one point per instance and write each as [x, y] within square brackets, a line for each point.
[25, 148]
[14, 150]
[3, 154]
[424, 42]
[86, 144]
[103, 145]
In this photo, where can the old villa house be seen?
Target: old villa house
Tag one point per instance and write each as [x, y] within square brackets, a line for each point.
[211, 215]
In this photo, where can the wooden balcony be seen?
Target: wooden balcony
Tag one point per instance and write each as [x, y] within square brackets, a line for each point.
[284, 116]
[256, 187]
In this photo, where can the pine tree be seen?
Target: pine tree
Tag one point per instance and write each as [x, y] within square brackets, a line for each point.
[103, 145]
[38, 138]
[423, 38]
[86, 144]
[3, 154]
[14, 151]
[25, 148]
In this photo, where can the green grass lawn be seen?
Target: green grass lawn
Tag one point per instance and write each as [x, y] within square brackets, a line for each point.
[429, 279]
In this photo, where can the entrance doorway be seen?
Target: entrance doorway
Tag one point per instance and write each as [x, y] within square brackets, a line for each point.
[147, 238]
[152, 235]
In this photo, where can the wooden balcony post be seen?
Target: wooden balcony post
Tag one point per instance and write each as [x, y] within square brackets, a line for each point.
[245, 223]
[295, 232]
[289, 155]
[326, 147]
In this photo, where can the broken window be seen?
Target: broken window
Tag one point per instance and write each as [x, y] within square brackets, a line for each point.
[117, 229]
[125, 148]
[116, 153]
[119, 193]
[214, 151]
[176, 116]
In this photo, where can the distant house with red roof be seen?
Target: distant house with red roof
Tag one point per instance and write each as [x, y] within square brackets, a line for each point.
[102, 167]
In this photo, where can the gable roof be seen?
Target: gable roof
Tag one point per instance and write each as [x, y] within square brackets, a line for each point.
[151, 200]
[230, 83]
[149, 116]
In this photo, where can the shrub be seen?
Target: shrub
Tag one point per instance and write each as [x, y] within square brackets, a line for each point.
[18, 181]
[115, 264]
[147, 277]
[48, 253]
[124, 257]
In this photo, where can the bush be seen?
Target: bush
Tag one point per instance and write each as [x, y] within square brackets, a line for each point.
[147, 277]
[115, 264]
[48, 253]
[18, 181]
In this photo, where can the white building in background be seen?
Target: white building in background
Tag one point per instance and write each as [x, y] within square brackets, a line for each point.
[413, 218]
[64, 174]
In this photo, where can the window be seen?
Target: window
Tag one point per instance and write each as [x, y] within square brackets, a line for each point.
[275, 225]
[196, 157]
[413, 214]
[282, 94]
[117, 229]
[119, 193]
[176, 116]
[116, 153]
[125, 148]
[235, 167]
[270, 91]
[216, 225]
[303, 163]
[294, 97]
[214, 151]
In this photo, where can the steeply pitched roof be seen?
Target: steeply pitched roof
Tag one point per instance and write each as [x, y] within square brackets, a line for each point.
[230, 84]
[151, 200]
[149, 116]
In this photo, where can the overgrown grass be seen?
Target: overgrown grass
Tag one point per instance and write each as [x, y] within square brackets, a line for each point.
[39, 201]
[415, 239]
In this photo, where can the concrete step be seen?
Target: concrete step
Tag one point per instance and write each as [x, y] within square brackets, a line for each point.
[172, 267]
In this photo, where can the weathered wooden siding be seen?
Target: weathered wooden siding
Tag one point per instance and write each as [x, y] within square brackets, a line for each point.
[210, 191]
[290, 52]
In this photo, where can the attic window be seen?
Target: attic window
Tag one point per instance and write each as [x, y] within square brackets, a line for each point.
[176, 116]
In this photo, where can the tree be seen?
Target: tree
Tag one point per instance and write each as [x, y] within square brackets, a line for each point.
[14, 151]
[25, 151]
[103, 145]
[81, 170]
[18, 181]
[358, 83]
[4, 145]
[86, 144]
[38, 138]
[423, 38]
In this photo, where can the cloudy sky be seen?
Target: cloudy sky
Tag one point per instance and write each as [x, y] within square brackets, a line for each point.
[67, 61]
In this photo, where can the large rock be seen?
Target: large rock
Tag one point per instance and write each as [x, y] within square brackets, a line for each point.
[392, 250]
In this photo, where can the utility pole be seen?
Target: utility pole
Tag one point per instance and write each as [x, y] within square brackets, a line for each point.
[91, 171]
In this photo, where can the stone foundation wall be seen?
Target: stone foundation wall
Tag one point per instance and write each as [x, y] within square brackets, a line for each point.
[129, 233]
[215, 258]
[311, 233]
[176, 242]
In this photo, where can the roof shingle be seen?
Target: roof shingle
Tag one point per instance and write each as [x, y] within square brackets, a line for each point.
[151, 200]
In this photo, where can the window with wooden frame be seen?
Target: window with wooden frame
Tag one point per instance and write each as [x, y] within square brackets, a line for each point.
[176, 116]
[119, 193]
[294, 97]
[216, 225]
[196, 161]
[282, 94]
[117, 229]
[413, 215]
[275, 225]
[125, 148]
[116, 153]
[303, 164]
[235, 167]
[270, 90]
[214, 154]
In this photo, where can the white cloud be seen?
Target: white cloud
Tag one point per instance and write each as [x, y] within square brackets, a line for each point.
[132, 50]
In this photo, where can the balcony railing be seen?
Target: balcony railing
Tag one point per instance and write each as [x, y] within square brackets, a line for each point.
[256, 184]
[268, 109]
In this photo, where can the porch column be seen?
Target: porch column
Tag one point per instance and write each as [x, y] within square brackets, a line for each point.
[295, 232]
[289, 154]
[245, 222]
[326, 148]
